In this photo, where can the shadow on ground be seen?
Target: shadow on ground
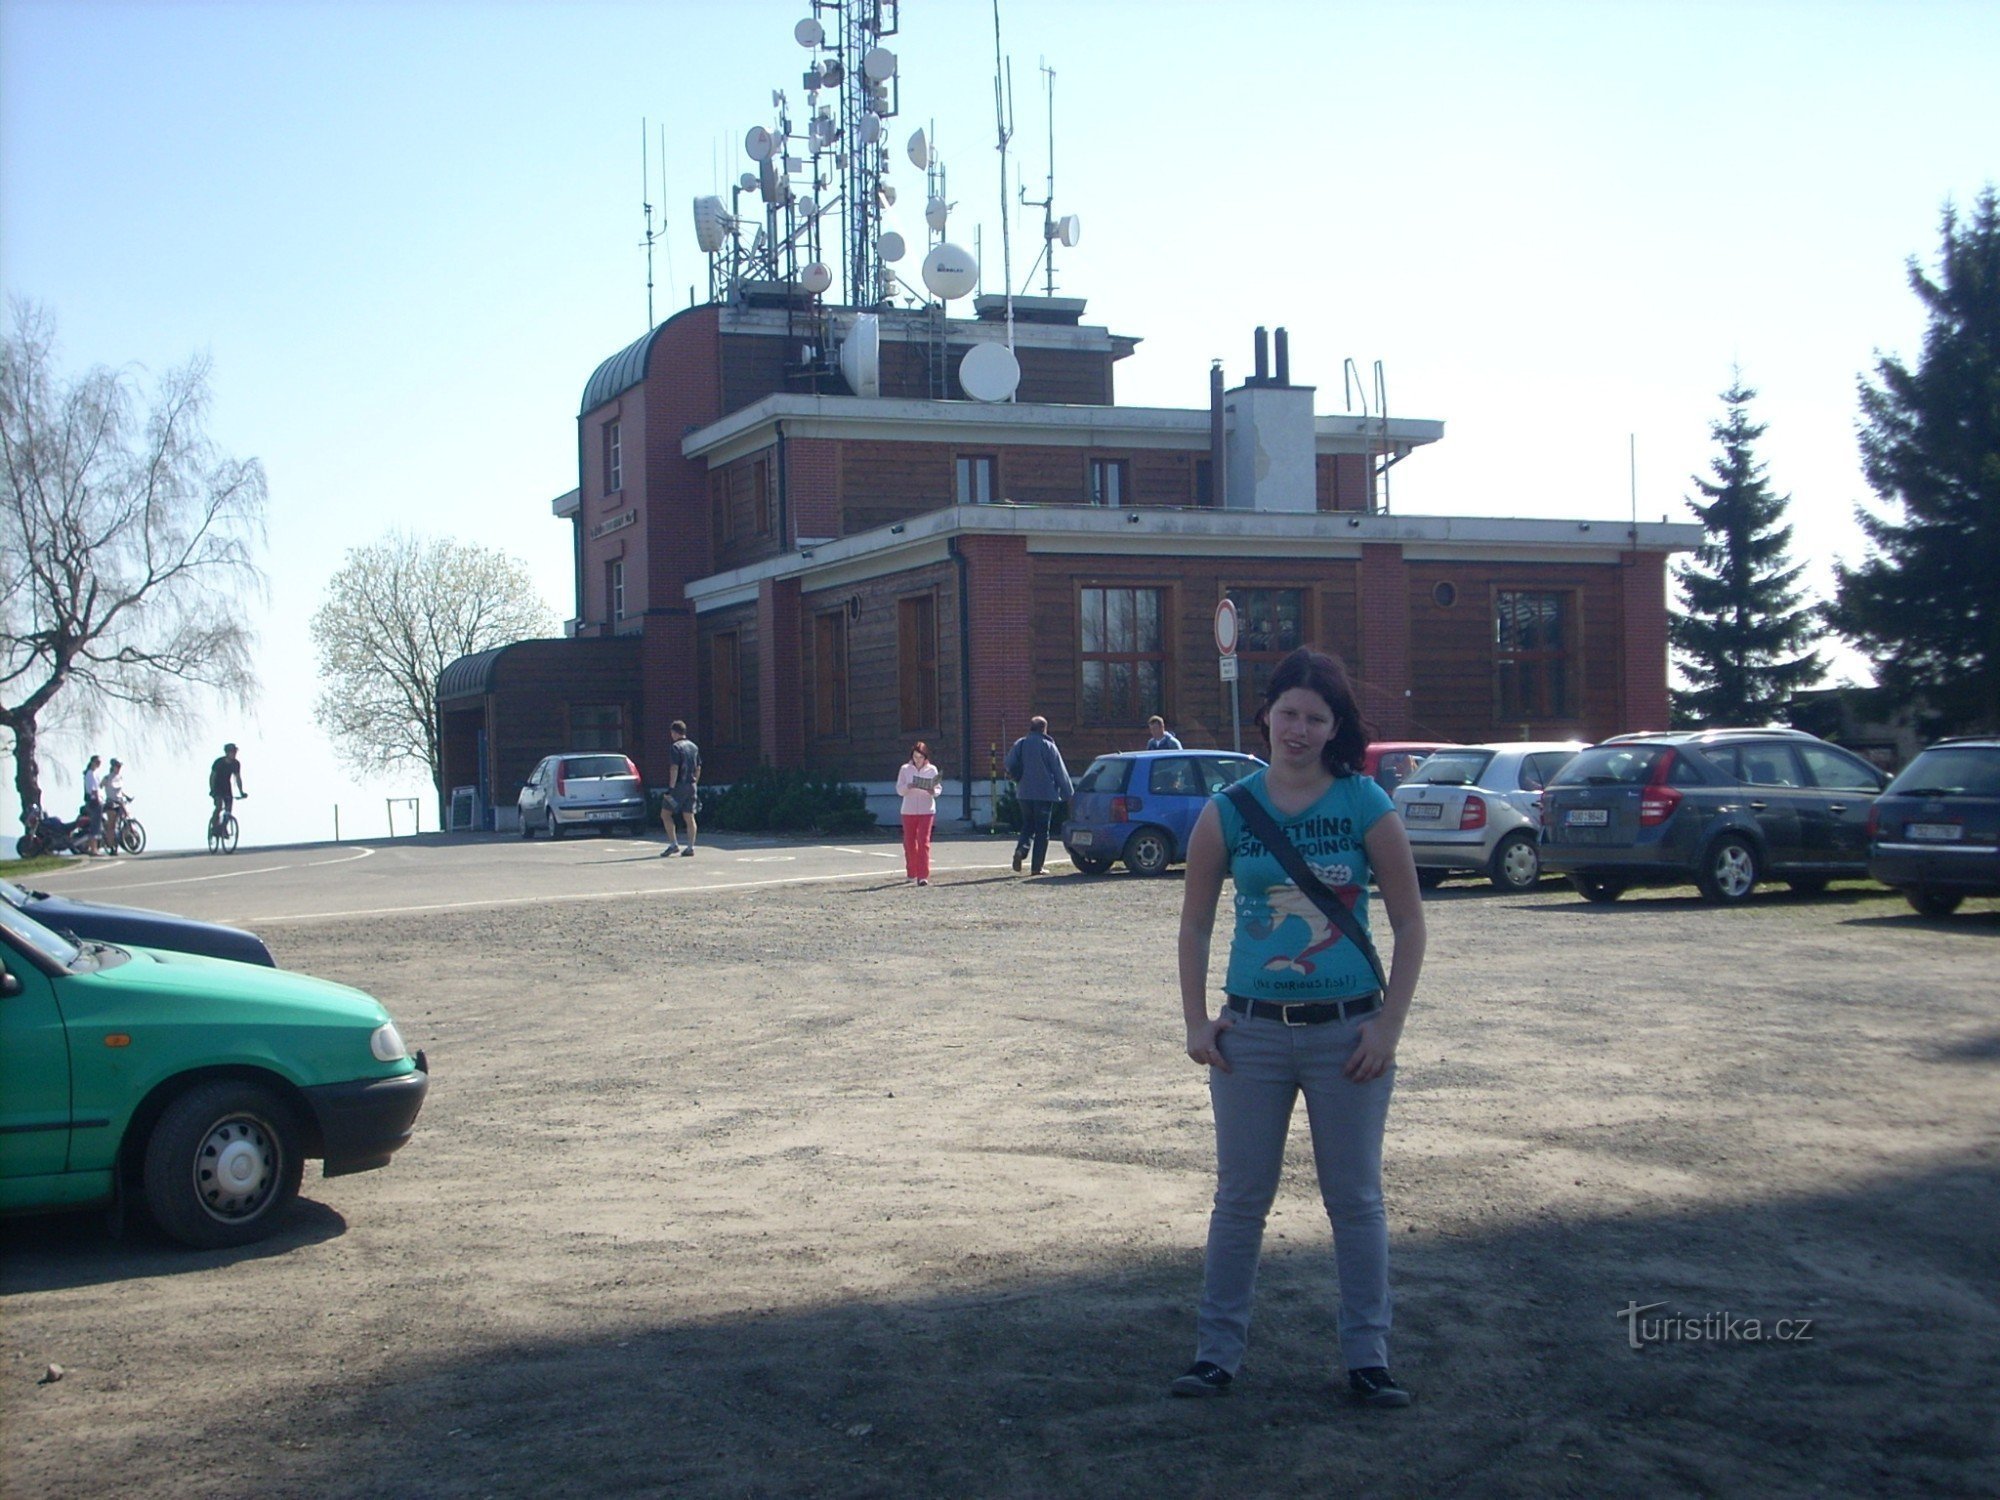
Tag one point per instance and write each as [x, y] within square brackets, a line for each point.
[1513, 1339]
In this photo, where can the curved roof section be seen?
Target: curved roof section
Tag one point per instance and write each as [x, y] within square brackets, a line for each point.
[619, 373]
[469, 676]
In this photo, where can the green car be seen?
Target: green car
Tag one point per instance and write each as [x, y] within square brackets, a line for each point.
[196, 1085]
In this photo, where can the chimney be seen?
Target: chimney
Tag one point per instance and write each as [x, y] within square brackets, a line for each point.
[1263, 375]
[1284, 358]
[1218, 451]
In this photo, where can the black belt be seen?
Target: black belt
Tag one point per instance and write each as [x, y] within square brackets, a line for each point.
[1307, 1012]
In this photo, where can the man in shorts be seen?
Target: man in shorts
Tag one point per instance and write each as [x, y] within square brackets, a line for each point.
[683, 798]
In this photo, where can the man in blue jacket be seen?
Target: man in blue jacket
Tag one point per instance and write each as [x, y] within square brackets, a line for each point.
[1040, 781]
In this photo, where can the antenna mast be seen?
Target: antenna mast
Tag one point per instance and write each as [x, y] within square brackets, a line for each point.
[1003, 124]
[646, 208]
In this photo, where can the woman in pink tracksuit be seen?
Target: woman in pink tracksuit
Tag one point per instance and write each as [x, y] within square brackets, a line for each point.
[917, 784]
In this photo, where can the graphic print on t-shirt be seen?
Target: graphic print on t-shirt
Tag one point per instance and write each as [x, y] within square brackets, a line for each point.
[1287, 901]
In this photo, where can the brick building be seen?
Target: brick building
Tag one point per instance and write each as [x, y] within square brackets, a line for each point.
[814, 578]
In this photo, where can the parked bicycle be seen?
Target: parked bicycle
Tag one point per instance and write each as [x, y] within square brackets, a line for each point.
[121, 829]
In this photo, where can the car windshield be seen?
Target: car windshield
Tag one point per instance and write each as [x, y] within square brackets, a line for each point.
[1451, 768]
[1610, 765]
[1107, 773]
[1954, 770]
[32, 935]
[584, 767]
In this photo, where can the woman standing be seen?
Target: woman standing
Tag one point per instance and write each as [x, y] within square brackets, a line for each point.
[917, 784]
[1304, 1013]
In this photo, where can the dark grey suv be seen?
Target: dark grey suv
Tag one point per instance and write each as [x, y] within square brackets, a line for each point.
[1724, 808]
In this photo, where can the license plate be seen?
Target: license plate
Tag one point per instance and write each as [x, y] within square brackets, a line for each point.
[1416, 812]
[1943, 832]
[1083, 838]
[604, 812]
[1587, 817]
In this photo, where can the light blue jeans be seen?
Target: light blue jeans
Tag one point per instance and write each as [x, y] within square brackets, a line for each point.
[1272, 1064]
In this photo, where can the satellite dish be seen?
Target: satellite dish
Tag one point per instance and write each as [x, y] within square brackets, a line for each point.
[816, 277]
[871, 128]
[989, 372]
[711, 224]
[832, 73]
[887, 193]
[879, 64]
[758, 144]
[861, 356]
[950, 271]
[825, 129]
[920, 152]
[809, 207]
[1069, 229]
[748, 182]
[890, 247]
[809, 33]
[935, 213]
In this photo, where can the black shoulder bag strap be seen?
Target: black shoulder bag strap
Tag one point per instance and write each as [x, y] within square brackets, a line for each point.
[1314, 889]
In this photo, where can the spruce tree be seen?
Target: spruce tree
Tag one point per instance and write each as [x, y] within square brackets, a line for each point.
[1926, 604]
[1744, 617]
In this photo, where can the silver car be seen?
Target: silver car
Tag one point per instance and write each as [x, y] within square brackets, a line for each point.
[1476, 809]
[584, 789]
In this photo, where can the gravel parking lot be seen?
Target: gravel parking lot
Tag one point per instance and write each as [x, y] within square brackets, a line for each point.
[858, 1189]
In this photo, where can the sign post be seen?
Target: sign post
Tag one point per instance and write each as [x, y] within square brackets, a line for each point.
[1225, 645]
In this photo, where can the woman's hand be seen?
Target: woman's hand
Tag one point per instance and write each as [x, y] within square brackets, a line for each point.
[1375, 1051]
[1204, 1041]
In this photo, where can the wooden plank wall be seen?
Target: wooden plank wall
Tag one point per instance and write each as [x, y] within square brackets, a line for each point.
[722, 760]
[876, 743]
[535, 683]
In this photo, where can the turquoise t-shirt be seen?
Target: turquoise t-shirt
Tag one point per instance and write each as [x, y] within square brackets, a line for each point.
[1284, 947]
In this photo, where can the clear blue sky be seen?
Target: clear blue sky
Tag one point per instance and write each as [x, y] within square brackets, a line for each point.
[406, 233]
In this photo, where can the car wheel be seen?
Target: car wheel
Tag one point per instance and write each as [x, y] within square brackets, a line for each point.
[527, 828]
[1090, 864]
[549, 822]
[222, 1164]
[1933, 903]
[1809, 885]
[1516, 864]
[1149, 851]
[1429, 877]
[1728, 872]
[1599, 889]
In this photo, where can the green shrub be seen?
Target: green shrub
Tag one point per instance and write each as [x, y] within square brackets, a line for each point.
[766, 799]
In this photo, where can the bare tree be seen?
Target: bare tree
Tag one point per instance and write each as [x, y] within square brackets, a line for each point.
[395, 616]
[124, 546]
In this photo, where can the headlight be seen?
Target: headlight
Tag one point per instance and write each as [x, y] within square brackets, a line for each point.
[387, 1043]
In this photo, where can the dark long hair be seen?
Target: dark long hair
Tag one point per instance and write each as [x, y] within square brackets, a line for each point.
[1321, 673]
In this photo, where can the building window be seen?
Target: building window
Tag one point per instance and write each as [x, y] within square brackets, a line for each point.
[760, 482]
[614, 589]
[725, 675]
[830, 674]
[596, 726]
[1531, 656]
[978, 478]
[1124, 655]
[1110, 481]
[917, 661]
[1270, 623]
[614, 460]
[723, 520]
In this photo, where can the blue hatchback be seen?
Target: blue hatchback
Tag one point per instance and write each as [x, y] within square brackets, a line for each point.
[1140, 806]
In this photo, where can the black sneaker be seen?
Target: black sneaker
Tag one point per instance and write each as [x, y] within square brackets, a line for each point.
[688, 853]
[1202, 1379]
[1375, 1386]
[1019, 855]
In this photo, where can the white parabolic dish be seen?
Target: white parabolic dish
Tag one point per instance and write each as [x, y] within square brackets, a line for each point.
[816, 277]
[890, 247]
[861, 356]
[950, 271]
[711, 224]
[989, 372]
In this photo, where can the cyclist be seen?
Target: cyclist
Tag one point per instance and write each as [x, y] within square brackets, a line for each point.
[227, 769]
